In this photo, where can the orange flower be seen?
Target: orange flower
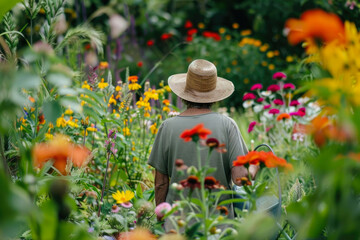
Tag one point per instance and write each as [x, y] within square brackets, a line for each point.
[315, 24]
[133, 79]
[283, 116]
[103, 65]
[60, 150]
[267, 159]
[195, 133]
[137, 234]
[223, 210]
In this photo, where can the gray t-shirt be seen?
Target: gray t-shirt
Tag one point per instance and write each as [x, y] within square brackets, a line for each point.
[168, 147]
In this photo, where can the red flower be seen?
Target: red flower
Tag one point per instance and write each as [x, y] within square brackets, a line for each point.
[188, 24]
[248, 96]
[192, 31]
[212, 143]
[267, 106]
[259, 100]
[166, 36]
[191, 182]
[294, 103]
[274, 111]
[150, 42]
[279, 76]
[289, 85]
[267, 159]
[189, 38]
[140, 64]
[211, 183]
[273, 88]
[251, 126]
[195, 133]
[256, 86]
[213, 35]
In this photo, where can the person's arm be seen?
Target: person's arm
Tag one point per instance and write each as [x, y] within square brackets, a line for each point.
[240, 171]
[161, 187]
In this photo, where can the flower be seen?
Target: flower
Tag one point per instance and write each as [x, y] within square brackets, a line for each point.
[213, 35]
[211, 183]
[248, 103]
[115, 208]
[212, 143]
[273, 88]
[195, 133]
[191, 182]
[251, 126]
[166, 36]
[192, 31]
[248, 96]
[162, 209]
[279, 76]
[278, 102]
[103, 65]
[153, 129]
[102, 84]
[223, 210]
[267, 106]
[259, 100]
[180, 165]
[315, 24]
[244, 181]
[60, 150]
[267, 159]
[140, 64]
[289, 85]
[133, 85]
[283, 116]
[150, 42]
[274, 111]
[188, 24]
[86, 85]
[266, 93]
[126, 205]
[123, 197]
[137, 234]
[294, 103]
[256, 86]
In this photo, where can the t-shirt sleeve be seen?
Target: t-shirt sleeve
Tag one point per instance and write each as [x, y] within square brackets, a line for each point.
[157, 157]
[236, 146]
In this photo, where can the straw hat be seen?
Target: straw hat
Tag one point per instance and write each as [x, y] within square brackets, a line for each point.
[201, 84]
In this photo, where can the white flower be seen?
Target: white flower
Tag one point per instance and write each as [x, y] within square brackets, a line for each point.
[258, 108]
[117, 25]
[248, 103]
[173, 114]
[265, 93]
[303, 100]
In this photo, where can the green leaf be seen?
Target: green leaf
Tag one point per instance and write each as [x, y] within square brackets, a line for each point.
[52, 111]
[139, 192]
[233, 200]
[6, 5]
[191, 232]
[59, 80]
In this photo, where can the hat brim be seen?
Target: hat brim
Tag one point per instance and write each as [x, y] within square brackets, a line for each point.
[224, 88]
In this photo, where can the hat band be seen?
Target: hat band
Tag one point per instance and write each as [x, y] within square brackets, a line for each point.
[200, 83]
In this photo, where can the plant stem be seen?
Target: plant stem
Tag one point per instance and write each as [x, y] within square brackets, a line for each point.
[3, 157]
[104, 183]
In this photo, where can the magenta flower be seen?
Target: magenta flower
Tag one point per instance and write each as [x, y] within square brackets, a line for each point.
[294, 114]
[259, 100]
[278, 102]
[273, 88]
[289, 85]
[302, 111]
[274, 111]
[267, 106]
[248, 96]
[279, 76]
[162, 209]
[251, 126]
[294, 103]
[256, 86]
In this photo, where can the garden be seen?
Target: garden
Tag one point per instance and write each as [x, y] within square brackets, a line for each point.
[84, 92]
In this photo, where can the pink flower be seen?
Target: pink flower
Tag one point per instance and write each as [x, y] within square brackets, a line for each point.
[267, 106]
[126, 205]
[278, 102]
[248, 96]
[302, 111]
[274, 111]
[256, 86]
[162, 209]
[294, 103]
[115, 209]
[273, 88]
[251, 126]
[294, 114]
[279, 76]
[259, 100]
[289, 85]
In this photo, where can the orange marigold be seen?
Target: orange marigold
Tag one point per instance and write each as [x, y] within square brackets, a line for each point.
[195, 133]
[315, 24]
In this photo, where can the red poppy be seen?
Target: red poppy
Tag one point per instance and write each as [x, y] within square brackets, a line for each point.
[195, 133]
[189, 38]
[150, 42]
[192, 31]
[213, 35]
[188, 24]
[140, 64]
[166, 36]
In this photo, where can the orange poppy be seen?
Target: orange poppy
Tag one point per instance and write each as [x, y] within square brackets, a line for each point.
[267, 159]
[195, 133]
[60, 150]
[315, 24]
[283, 116]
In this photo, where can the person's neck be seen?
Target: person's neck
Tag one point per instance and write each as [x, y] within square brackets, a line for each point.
[195, 111]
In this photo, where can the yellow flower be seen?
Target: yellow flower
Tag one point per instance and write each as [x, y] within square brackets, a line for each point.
[167, 88]
[118, 88]
[134, 86]
[201, 25]
[68, 111]
[271, 66]
[289, 59]
[153, 129]
[228, 70]
[222, 30]
[102, 84]
[61, 122]
[245, 32]
[126, 131]
[123, 197]
[234, 62]
[86, 85]
[228, 37]
[112, 100]
[235, 25]
[151, 94]
[257, 43]
[264, 63]
[91, 129]
[246, 80]
[146, 114]
[71, 123]
[264, 47]
[270, 54]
